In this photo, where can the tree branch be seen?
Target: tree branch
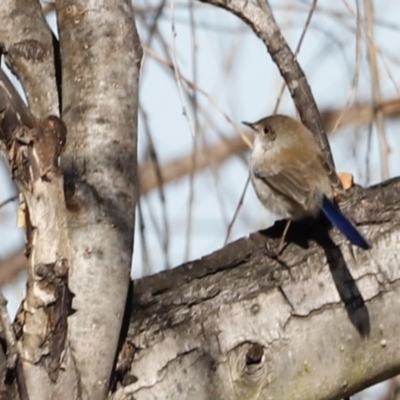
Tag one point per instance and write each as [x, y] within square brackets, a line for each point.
[261, 20]
[101, 56]
[205, 157]
[26, 40]
[357, 115]
[33, 147]
[320, 322]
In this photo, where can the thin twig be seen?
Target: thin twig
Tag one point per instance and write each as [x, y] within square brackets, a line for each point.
[355, 115]
[367, 156]
[146, 269]
[356, 68]
[217, 181]
[239, 205]
[378, 51]
[178, 75]
[376, 91]
[9, 200]
[161, 192]
[358, 114]
[181, 167]
[298, 47]
[191, 85]
[13, 360]
[194, 103]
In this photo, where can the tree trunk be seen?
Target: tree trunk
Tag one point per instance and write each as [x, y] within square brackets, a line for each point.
[80, 216]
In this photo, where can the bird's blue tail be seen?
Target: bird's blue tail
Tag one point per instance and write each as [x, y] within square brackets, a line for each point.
[343, 224]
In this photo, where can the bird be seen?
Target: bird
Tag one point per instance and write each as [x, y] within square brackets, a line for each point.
[291, 177]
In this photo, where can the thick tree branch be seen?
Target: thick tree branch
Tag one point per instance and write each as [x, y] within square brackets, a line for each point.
[100, 170]
[320, 322]
[33, 147]
[357, 115]
[27, 42]
[101, 57]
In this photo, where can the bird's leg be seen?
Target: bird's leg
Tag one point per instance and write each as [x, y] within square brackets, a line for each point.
[282, 241]
[275, 253]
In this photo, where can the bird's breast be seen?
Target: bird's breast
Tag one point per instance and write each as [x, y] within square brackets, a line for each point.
[270, 199]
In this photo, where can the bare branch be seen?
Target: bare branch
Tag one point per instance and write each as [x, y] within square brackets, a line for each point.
[184, 166]
[101, 61]
[376, 90]
[357, 115]
[261, 20]
[9, 200]
[313, 319]
[27, 42]
[33, 148]
[13, 356]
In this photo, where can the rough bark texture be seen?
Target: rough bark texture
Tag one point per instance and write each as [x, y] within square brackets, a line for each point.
[33, 147]
[27, 42]
[79, 230]
[101, 56]
[319, 323]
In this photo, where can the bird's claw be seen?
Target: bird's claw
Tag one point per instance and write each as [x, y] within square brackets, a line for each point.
[273, 251]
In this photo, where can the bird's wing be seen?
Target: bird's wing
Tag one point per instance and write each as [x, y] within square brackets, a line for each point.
[290, 182]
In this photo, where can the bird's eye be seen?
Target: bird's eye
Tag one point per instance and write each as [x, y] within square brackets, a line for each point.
[266, 130]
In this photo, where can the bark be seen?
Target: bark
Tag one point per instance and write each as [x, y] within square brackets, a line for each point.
[80, 220]
[320, 322]
[27, 42]
[101, 56]
[33, 147]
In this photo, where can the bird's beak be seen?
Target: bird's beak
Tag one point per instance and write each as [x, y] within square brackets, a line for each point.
[249, 124]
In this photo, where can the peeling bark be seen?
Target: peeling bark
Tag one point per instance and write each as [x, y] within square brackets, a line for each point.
[79, 218]
[33, 147]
